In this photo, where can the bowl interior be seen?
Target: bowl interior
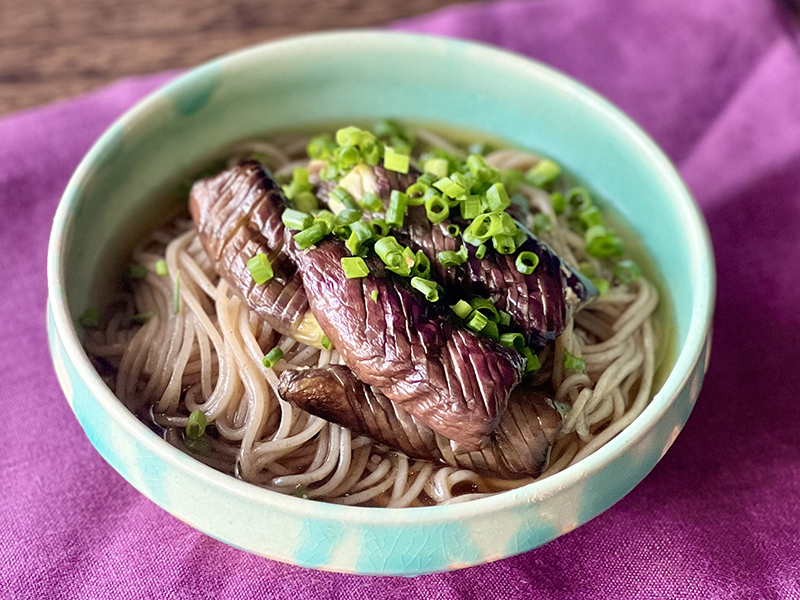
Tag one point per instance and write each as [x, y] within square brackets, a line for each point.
[335, 78]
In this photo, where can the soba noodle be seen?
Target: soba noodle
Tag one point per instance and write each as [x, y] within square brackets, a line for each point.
[209, 357]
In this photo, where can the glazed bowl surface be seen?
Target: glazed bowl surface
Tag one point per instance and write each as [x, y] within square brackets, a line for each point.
[116, 194]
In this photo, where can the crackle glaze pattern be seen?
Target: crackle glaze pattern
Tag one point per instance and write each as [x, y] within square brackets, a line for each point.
[335, 78]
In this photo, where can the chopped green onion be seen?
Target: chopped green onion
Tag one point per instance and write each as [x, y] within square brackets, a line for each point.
[136, 271]
[505, 318]
[437, 209]
[471, 207]
[299, 183]
[391, 253]
[526, 262]
[340, 198]
[395, 161]
[590, 216]
[602, 243]
[199, 446]
[542, 223]
[481, 171]
[532, 362]
[360, 232]
[348, 156]
[415, 193]
[370, 202]
[326, 342]
[573, 363]
[504, 243]
[453, 230]
[544, 172]
[601, 284]
[161, 268]
[449, 188]
[449, 258]
[176, 296]
[300, 491]
[90, 318]
[558, 202]
[143, 317]
[347, 217]
[272, 357]
[326, 219]
[396, 212]
[436, 166]
[479, 231]
[481, 251]
[627, 271]
[477, 320]
[312, 235]
[196, 425]
[350, 136]
[487, 307]
[305, 202]
[422, 265]
[520, 237]
[427, 287]
[374, 295]
[295, 219]
[579, 197]
[462, 309]
[380, 227]
[497, 198]
[354, 267]
[320, 147]
[260, 268]
[490, 330]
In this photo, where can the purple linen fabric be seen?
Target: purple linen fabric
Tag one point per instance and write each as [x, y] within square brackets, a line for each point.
[717, 83]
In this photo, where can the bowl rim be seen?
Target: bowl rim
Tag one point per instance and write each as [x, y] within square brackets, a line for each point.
[681, 201]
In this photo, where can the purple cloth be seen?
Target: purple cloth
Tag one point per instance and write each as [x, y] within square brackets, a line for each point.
[717, 83]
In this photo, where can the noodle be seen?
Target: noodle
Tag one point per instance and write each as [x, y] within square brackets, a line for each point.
[208, 357]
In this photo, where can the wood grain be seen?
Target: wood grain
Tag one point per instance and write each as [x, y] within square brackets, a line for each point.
[52, 49]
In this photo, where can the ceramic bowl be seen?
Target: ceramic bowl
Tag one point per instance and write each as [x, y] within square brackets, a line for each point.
[356, 76]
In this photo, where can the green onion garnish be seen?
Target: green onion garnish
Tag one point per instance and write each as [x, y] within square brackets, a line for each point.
[360, 232]
[497, 198]
[462, 309]
[480, 252]
[437, 209]
[161, 268]
[327, 219]
[505, 318]
[391, 253]
[348, 156]
[305, 202]
[312, 235]
[627, 271]
[532, 362]
[90, 318]
[370, 202]
[449, 258]
[573, 363]
[602, 243]
[374, 295]
[136, 271]
[295, 219]
[196, 425]
[326, 342]
[477, 320]
[579, 197]
[558, 202]
[340, 198]
[482, 172]
[320, 147]
[601, 284]
[490, 330]
[422, 265]
[300, 491]
[346, 217]
[449, 188]
[272, 357]
[542, 223]
[590, 216]
[436, 166]
[199, 446]
[380, 227]
[520, 237]
[504, 243]
[543, 172]
[397, 208]
[479, 231]
[260, 268]
[415, 193]
[526, 262]
[471, 207]
[394, 161]
[427, 287]
[487, 307]
[176, 296]
[143, 317]
[354, 267]
[453, 230]
[350, 136]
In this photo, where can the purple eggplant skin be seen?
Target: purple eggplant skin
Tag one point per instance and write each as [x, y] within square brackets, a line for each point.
[238, 215]
[416, 352]
[519, 446]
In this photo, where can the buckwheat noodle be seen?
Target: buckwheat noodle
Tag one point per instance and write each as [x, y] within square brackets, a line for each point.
[208, 357]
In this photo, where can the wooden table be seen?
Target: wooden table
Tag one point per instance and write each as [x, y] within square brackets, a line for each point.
[52, 49]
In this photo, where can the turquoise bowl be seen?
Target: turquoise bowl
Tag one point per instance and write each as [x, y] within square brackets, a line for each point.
[117, 193]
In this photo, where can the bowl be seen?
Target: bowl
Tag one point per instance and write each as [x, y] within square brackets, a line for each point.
[336, 78]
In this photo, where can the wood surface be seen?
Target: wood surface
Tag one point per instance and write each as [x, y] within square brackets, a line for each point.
[53, 49]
